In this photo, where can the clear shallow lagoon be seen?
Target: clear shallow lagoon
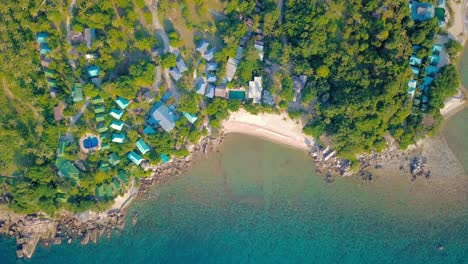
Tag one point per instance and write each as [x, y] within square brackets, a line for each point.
[259, 202]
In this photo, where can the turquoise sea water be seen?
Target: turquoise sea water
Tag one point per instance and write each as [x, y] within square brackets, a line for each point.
[259, 202]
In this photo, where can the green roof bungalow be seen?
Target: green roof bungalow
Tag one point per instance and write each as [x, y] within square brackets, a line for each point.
[97, 100]
[114, 159]
[101, 128]
[61, 197]
[41, 37]
[44, 49]
[77, 93]
[99, 109]
[103, 166]
[67, 169]
[100, 191]
[122, 176]
[49, 73]
[122, 102]
[116, 185]
[190, 117]
[117, 125]
[51, 83]
[135, 158]
[118, 138]
[109, 192]
[149, 130]
[415, 70]
[415, 61]
[105, 146]
[93, 71]
[116, 113]
[437, 49]
[142, 146]
[61, 148]
[104, 136]
[100, 117]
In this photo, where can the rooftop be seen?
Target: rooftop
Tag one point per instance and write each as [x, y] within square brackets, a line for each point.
[122, 102]
[135, 158]
[255, 90]
[162, 116]
[190, 117]
[117, 125]
[93, 71]
[116, 113]
[118, 138]
[142, 146]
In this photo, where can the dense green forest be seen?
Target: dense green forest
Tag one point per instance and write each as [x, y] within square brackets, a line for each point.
[354, 54]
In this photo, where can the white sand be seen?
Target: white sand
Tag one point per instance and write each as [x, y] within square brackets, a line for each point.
[279, 128]
[457, 29]
[454, 104]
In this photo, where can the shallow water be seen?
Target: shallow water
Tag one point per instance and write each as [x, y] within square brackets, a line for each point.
[456, 134]
[463, 67]
[260, 202]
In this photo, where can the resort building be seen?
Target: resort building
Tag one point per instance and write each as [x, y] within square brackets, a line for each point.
[45, 62]
[211, 66]
[431, 70]
[231, 66]
[93, 71]
[117, 125]
[118, 138]
[163, 116]
[415, 70]
[149, 130]
[255, 90]
[142, 146]
[191, 118]
[67, 169]
[421, 11]
[211, 78]
[122, 102]
[44, 48]
[135, 158]
[437, 49]
[49, 73]
[116, 113]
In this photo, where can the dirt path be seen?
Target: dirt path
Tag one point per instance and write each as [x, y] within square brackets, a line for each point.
[78, 115]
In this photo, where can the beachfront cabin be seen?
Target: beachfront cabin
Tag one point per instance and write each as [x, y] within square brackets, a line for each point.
[211, 66]
[255, 90]
[190, 117]
[437, 49]
[142, 146]
[117, 125]
[51, 83]
[181, 65]
[236, 94]
[118, 138]
[42, 37]
[210, 91]
[77, 92]
[421, 11]
[89, 35]
[101, 128]
[93, 71]
[164, 158]
[99, 109]
[161, 115]
[67, 169]
[49, 73]
[122, 102]
[44, 49]
[175, 73]
[415, 70]
[412, 86]
[100, 117]
[149, 130]
[135, 158]
[113, 158]
[97, 100]
[201, 87]
[415, 61]
[116, 113]
[431, 70]
[434, 59]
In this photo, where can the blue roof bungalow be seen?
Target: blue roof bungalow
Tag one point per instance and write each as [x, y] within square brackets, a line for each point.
[161, 115]
[167, 95]
[412, 86]
[41, 37]
[201, 87]
[421, 11]
[415, 61]
[142, 147]
[436, 49]
[210, 91]
[191, 118]
[415, 70]
[434, 59]
[175, 73]
[431, 70]
[211, 78]
[44, 49]
[93, 71]
[117, 125]
[116, 113]
[149, 130]
[135, 158]
[118, 138]
[427, 81]
[122, 102]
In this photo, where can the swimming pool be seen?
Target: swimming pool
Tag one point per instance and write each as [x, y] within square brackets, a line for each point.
[90, 142]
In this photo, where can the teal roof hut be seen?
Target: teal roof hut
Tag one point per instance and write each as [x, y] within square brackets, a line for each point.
[122, 176]
[434, 59]
[191, 118]
[113, 158]
[436, 49]
[101, 127]
[142, 146]
[67, 169]
[93, 71]
[44, 49]
[412, 86]
[164, 158]
[415, 70]
[116, 113]
[117, 125]
[42, 37]
[135, 158]
[97, 100]
[61, 148]
[122, 102]
[104, 166]
[431, 70]
[99, 109]
[118, 138]
[77, 92]
[100, 117]
[415, 61]
[149, 130]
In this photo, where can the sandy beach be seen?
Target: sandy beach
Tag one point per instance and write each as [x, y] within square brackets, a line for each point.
[457, 29]
[279, 128]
